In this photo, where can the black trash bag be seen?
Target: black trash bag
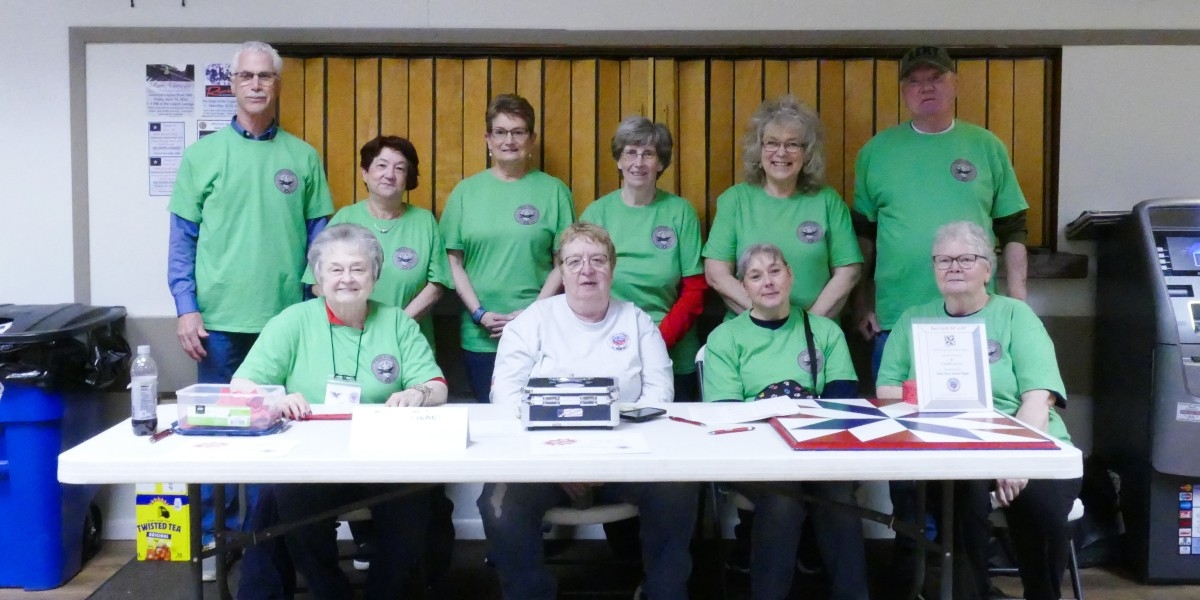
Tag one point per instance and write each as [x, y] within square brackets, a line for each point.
[96, 362]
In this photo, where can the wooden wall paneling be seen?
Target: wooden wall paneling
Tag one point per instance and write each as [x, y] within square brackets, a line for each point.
[775, 79]
[583, 133]
[1000, 100]
[972, 92]
[420, 130]
[608, 116]
[1029, 144]
[474, 108]
[340, 165]
[556, 119]
[366, 114]
[747, 96]
[314, 105]
[691, 142]
[723, 162]
[637, 77]
[529, 87]
[666, 111]
[802, 81]
[502, 77]
[887, 94]
[448, 127]
[393, 103]
[859, 117]
[291, 97]
[833, 115]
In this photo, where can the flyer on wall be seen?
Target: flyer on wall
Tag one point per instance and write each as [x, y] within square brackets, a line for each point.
[170, 90]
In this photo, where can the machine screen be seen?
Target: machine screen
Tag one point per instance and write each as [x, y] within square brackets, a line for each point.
[1184, 253]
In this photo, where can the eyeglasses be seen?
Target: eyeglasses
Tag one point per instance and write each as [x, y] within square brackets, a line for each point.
[265, 78]
[914, 82]
[791, 147]
[517, 134]
[966, 261]
[632, 155]
[574, 264]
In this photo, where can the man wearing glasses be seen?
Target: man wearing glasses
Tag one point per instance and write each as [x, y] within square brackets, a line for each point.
[247, 201]
[910, 180]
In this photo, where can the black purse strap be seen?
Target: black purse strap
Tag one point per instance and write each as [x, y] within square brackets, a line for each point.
[812, 351]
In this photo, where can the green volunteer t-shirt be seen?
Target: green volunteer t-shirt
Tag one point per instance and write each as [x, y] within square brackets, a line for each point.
[251, 199]
[1019, 350]
[413, 255]
[742, 358]
[657, 245]
[812, 230]
[294, 351]
[911, 183]
[506, 231]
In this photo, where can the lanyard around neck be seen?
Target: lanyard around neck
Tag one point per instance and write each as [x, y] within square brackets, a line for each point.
[333, 356]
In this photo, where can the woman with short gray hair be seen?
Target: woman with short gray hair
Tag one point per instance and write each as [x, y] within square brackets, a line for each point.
[786, 202]
[657, 235]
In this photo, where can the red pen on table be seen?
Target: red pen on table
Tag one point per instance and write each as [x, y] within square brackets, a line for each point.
[734, 430]
[688, 421]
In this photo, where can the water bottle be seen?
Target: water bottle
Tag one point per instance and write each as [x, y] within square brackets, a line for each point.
[143, 386]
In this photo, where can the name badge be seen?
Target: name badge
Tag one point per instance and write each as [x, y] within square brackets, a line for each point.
[344, 392]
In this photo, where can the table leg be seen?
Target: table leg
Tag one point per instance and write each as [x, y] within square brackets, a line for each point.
[918, 579]
[220, 542]
[946, 531]
[197, 547]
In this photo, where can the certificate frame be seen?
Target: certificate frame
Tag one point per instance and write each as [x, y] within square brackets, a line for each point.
[951, 361]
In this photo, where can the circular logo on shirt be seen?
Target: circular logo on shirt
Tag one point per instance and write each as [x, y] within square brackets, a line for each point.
[663, 237]
[810, 232]
[386, 368]
[805, 363]
[619, 341]
[405, 258]
[286, 181]
[995, 352]
[953, 384]
[527, 214]
[963, 170]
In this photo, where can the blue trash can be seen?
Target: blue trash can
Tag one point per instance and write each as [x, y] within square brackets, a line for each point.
[55, 363]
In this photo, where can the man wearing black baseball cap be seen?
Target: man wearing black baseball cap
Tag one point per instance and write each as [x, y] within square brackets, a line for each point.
[910, 180]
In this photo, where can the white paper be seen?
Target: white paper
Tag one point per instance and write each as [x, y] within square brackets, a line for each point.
[714, 413]
[203, 448]
[390, 432]
[951, 359]
[566, 443]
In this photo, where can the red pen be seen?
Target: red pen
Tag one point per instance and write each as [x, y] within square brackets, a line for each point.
[734, 430]
[688, 421]
[161, 435]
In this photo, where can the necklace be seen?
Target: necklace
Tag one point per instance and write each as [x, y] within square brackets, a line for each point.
[381, 229]
[375, 221]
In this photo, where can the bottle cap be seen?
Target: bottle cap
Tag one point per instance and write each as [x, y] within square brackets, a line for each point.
[143, 349]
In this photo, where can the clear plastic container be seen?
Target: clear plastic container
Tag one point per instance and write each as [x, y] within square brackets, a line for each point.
[213, 407]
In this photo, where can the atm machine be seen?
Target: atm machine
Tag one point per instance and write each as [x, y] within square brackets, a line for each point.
[1147, 382]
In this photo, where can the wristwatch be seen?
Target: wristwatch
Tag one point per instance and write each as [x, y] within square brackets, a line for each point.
[477, 316]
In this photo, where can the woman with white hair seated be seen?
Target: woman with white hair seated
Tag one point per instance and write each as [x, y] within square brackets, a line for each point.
[1025, 384]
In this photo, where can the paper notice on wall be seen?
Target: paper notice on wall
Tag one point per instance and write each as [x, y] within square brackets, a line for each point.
[166, 138]
[209, 126]
[170, 90]
[162, 174]
[218, 102]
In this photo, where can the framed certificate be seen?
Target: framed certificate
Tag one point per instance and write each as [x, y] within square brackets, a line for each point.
[952, 366]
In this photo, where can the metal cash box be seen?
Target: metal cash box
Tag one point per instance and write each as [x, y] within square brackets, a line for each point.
[570, 402]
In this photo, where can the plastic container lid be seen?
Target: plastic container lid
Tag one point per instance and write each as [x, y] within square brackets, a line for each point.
[29, 323]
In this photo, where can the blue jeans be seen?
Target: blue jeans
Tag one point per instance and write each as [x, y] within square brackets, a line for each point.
[512, 519]
[226, 351]
[877, 353]
[400, 525]
[776, 538]
[479, 367]
[267, 569]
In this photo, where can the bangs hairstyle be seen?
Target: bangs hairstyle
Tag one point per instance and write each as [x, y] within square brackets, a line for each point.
[640, 131]
[356, 236]
[590, 232]
[769, 250]
[372, 149]
[264, 48]
[513, 106]
[793, 114]
[970, 234]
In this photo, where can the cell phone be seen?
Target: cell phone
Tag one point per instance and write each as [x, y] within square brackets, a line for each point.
[638, 415]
